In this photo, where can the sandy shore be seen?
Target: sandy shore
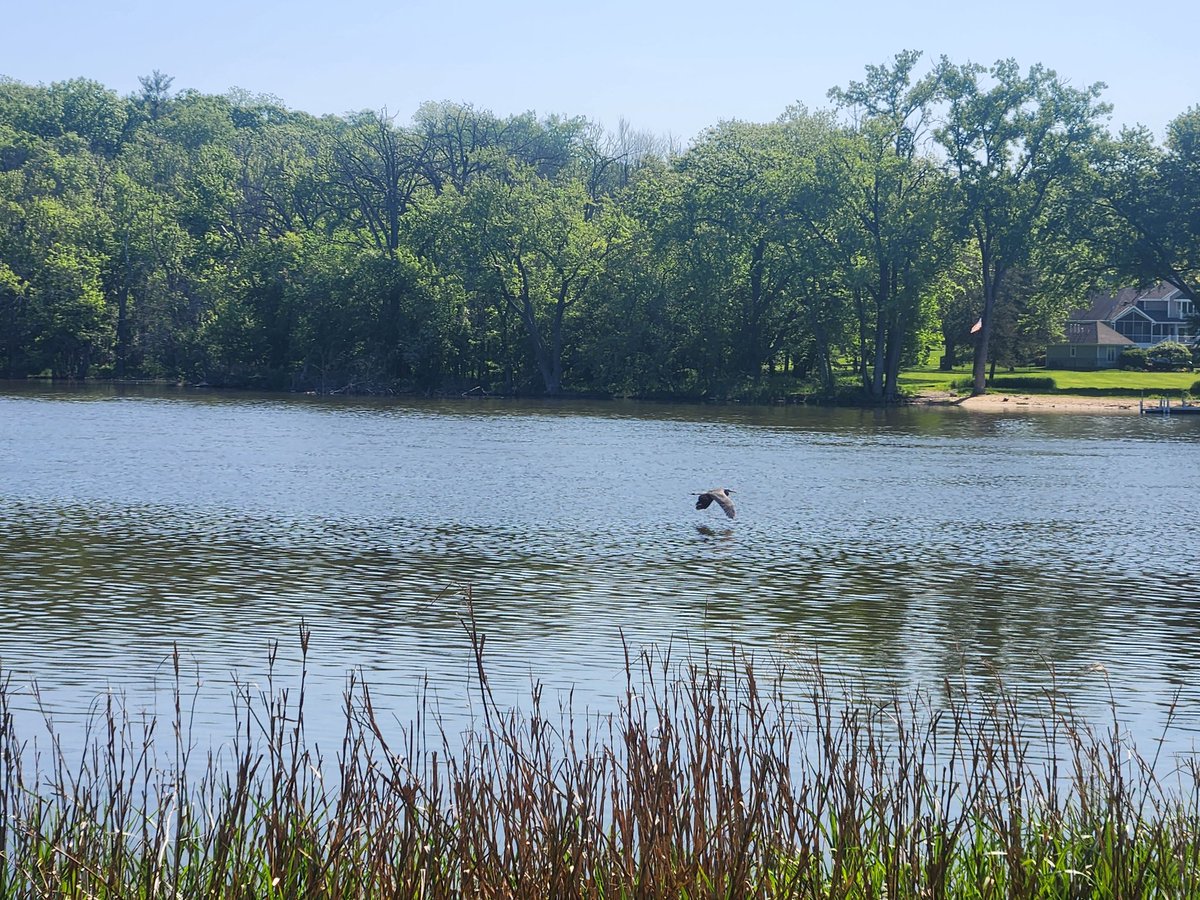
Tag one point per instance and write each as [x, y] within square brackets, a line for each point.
[1023, 403]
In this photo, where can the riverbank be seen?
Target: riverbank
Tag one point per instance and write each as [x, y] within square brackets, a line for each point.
[1036, 403]
[994, 402]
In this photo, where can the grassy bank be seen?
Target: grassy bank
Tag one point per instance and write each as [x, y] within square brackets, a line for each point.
[1108, 382]
[709, 782]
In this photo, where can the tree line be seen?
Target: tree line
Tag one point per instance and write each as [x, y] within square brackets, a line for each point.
[230, 240]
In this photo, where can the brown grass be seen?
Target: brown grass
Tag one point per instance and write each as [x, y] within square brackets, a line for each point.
[710, 781]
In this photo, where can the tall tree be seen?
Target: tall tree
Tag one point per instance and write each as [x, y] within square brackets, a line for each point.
[894, 241]
[1148, 201]
[374, 173]
[155, 94]
[528, 243]
[741, 190]
[1011, 142]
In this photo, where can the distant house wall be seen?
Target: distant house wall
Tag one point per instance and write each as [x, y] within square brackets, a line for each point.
[1180, 307]
[1082, 356]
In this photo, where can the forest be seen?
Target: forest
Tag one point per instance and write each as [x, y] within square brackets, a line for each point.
[228, 240]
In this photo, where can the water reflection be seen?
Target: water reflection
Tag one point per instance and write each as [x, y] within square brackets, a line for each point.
[906, 545]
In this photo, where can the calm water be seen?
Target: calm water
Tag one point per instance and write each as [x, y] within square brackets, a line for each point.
[902, 546]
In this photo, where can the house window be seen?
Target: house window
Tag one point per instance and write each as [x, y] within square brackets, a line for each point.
[1135, 328]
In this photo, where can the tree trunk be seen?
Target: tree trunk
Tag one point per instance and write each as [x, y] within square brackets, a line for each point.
[548, 359]
[122, 348]
[991, 281]
[892, 375]
[950, 358]
[882, 305]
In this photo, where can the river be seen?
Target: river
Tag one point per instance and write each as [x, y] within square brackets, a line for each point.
[900, 547]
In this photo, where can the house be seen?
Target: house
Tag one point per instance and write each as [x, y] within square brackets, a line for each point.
[1147, 316]
[1133, 317]
[1089, 345]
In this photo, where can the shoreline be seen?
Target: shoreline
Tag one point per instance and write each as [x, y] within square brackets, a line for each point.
[998, 402]
[1040, 403]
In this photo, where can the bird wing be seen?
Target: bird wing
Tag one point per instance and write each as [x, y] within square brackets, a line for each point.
[703, 501]
[726, 504]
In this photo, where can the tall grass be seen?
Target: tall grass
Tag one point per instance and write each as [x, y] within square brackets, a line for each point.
[729, 780]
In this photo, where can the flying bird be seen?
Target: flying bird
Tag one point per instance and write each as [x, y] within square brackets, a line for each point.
[721, 495]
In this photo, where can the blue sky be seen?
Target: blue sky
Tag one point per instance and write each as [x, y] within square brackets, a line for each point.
[666, 67]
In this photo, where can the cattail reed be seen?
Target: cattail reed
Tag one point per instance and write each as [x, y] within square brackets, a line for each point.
[711, 780]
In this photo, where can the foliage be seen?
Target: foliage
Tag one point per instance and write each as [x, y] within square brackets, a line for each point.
[895, 225]
[1145, 219]
[1023, 382]
[1169, 356]
[230, 240]
[1017, 143]
[1135, 358]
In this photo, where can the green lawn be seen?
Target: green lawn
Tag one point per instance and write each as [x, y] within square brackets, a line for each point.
[1108, 381]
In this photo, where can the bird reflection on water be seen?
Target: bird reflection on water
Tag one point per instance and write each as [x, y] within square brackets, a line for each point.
[723, 534]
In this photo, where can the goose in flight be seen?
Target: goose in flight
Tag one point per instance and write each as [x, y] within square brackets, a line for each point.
[721, 495]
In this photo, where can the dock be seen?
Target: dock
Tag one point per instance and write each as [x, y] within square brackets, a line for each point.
[1164, 408]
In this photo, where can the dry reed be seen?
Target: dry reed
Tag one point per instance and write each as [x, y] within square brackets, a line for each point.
[709, 781]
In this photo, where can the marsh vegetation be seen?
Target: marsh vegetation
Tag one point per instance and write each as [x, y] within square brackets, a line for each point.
[757, 778]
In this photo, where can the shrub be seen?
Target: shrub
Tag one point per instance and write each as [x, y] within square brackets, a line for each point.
[1024, 382]
[1134, 358]
[1169, 356]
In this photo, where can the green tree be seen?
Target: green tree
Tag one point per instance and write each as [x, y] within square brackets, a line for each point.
[1145, 221]
[68, 313]
[373, 175]
[1010, 144]
[14, 292]
[154, 98]
[93, 112]
[54, 236]
[957, 295]
[728, 234]
[528, 244]
[172, 229]
[895, 235]
[753, 276]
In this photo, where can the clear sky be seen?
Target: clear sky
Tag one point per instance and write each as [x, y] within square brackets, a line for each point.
[666, 67]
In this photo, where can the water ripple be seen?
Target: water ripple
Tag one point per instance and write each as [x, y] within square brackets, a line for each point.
[909, 545]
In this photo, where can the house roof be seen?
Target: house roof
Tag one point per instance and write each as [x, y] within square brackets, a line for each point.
[1157, 316]
[1095, 333]
[1106, 309]
[1161, 291]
